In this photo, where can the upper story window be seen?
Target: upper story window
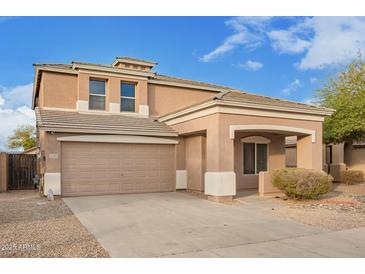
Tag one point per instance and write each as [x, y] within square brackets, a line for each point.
[97, 94]
[127, 97]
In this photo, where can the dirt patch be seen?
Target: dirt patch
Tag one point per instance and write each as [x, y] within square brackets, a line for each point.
[358, 189]
[31, 226]
[343, 208]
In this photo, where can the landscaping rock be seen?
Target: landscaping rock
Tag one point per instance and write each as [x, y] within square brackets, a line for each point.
[31, 226]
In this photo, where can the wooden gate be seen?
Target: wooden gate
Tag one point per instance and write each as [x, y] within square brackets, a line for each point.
[22, 168]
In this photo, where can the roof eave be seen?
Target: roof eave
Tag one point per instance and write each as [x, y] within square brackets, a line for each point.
[51, 128]
[134, 61]
[218, 102]
[183, 85]
[35, 85]
[77, 65]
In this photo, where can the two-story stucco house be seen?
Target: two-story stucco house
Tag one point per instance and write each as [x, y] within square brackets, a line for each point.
[122, 128]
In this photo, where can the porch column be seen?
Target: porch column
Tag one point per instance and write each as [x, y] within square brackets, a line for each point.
[309, 152]
[220, 178]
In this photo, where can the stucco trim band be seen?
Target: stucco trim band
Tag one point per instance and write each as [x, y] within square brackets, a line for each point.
[82, 105]
[52, 180]
[293, 130]
[114, 107]
[220, 183]
[213, 109]
[181, 179]
[244, 108]
[144, 110]
[127, 139]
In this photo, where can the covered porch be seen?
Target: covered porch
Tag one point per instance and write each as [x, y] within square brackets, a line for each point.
[260, 148]
[224, 146]
[220, 156]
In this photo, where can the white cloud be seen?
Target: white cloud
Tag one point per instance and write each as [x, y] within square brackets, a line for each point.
[14, 110]
[17, 96]
[324, 41]
[313, 80]
[2, 100]
[293, 86]
[320, 41]
[336, 41]
[251, 65]
[310, 101]
[248, 32]
[292, 40]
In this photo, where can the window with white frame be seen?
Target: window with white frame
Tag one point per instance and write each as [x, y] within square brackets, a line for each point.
[127, 97]
[255, 154]
[97, 94]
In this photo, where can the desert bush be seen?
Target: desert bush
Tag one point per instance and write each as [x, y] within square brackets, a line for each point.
[351, 177]
[300, 183]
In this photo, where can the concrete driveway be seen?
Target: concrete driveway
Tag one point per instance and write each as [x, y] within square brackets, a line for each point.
[179, 225]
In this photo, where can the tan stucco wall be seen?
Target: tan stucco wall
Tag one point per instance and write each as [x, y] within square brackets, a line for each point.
[355, 157]
[309, 154]
[3, 171]
[266, 187]
[276, 158]
[291, 156]
[209, 126]
[83, 86]
[165, 99]
[142, 97]
[180, 154]
[52, 152]
[58, 90]
[195, 162]
[220, 147]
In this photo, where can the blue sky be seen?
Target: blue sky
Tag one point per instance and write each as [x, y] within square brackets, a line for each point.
[286, 57]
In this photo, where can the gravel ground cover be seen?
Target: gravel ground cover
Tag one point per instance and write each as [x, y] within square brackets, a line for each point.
[31, 226]
[343, 208]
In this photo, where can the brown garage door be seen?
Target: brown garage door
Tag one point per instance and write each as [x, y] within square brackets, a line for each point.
[101, 168]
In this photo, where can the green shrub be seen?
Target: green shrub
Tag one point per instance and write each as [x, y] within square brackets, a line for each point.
[302, 183]
[351, 177]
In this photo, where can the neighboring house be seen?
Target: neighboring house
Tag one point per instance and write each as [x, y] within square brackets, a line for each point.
[345, 156]
[122, 128]
[32, 150]
[336, 157]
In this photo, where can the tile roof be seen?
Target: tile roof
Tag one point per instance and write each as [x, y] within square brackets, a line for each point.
[61, 66]
[73, 121]
[243, 97]
[189, 82]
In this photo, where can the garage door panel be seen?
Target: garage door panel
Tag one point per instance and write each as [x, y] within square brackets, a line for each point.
[101, 187]
[114, 175]
[153, 173]
[115, 187]
[98, 168]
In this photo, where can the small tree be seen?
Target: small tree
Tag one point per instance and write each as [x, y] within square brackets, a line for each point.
[23, 136]
[346, 94]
